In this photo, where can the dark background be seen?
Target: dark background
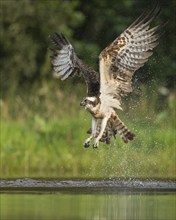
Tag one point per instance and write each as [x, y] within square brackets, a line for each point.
[90, 26]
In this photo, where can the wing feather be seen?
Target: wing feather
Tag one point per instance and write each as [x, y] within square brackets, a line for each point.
[66, 63]
[126, 54]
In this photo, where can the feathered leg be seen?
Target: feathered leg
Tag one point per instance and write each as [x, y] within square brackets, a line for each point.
[94, 125]
[103, 126]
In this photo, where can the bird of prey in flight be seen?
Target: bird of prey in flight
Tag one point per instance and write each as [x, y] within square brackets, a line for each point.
[117, 65]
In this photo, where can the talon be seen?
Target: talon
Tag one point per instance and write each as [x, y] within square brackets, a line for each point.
[87, 144]
[95, 145]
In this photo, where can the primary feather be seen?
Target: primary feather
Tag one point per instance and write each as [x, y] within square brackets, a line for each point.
[125, 55]
[66, 63]
[117, 64]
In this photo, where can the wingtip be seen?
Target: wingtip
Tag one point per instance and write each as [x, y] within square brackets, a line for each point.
[148, 15]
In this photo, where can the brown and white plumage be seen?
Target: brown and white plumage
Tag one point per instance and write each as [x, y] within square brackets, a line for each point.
[117, 65]
[126, 54]
[66, 63]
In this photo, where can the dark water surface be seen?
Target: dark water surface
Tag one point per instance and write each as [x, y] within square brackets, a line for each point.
[98, 200]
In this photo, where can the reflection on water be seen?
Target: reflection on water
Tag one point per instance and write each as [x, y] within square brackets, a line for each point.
[89, 206]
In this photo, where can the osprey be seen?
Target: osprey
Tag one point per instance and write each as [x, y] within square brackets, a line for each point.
[117, 65]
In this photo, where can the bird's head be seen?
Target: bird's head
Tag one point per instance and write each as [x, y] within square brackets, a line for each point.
[89, 102]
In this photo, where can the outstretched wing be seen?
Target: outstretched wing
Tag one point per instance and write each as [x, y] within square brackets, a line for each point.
[125, 55]
[66, 63]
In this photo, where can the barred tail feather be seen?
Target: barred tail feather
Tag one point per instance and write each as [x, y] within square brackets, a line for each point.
[123, 131]
[114, 125]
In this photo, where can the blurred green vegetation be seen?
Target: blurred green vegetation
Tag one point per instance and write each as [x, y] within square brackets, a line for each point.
[43, 127]
[43, 137]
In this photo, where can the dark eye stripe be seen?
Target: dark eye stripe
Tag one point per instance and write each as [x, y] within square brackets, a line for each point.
[92, 103]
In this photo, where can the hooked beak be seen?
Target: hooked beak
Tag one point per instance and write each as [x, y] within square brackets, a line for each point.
[83, 103]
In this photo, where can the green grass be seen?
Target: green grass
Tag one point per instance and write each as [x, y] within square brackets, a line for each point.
[42, 138]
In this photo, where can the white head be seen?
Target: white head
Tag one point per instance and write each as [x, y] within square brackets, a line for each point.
[89, 102]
